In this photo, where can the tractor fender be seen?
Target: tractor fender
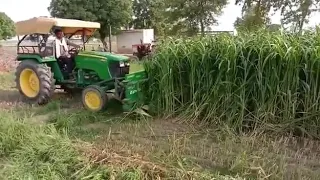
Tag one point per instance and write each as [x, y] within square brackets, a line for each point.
[50, 61]
[35, 57]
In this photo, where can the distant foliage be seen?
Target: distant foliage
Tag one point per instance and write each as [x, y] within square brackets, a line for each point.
[189, 17]
[149, 14]
[252, 20]
[295, 14]
[7, 28]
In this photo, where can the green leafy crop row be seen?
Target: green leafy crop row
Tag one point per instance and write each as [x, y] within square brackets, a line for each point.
[244, 81]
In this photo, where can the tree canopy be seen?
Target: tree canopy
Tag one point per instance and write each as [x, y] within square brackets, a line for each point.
[149, 14]
[294, 13]
[194, 15]
[252, 20]
[7, 28]
[297, 13]
[178, 17]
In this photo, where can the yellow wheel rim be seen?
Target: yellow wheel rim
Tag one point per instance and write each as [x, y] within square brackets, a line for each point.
[92, 100]
[29, 83]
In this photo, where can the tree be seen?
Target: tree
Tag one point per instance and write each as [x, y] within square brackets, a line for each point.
[252, 19]
[169, 17]
[7, 28]
[294, 12]
[262, 6]
[112, 14]
[149, 14]
[297, 13]
[142, 10]
[196, 15]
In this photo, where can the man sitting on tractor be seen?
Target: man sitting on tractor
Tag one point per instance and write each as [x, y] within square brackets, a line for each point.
[62, 52]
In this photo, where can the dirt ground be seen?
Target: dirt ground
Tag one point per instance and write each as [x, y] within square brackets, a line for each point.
[7, 59]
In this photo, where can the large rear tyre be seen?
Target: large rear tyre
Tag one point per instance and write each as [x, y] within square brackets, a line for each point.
[94, 98]
[35, 82]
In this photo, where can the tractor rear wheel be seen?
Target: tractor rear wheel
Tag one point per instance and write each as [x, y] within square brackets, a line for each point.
[94, 98]
[35, 82]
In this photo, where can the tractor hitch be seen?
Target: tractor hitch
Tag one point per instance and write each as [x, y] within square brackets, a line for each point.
[133, 97]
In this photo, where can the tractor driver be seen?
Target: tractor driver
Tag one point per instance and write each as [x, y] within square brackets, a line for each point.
[61, 49]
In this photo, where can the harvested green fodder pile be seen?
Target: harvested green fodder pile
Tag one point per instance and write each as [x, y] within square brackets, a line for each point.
[246, 81]
[31, 151]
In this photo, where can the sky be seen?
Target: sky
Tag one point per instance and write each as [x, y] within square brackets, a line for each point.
[19, 10]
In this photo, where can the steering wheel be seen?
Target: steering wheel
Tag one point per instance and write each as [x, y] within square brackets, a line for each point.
[73, 50]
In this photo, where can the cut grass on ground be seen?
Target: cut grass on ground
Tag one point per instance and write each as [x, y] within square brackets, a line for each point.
[30, 151]
[137, 148]
[62, 141]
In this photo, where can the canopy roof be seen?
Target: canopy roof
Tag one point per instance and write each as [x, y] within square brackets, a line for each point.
[43, 25]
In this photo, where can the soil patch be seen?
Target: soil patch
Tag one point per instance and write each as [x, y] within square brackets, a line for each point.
[7, 59]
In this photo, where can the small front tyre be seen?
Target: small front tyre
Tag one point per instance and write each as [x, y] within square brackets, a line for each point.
[94, 98]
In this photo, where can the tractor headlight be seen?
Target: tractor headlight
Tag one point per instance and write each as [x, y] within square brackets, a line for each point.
[121, 64]
[127, 64]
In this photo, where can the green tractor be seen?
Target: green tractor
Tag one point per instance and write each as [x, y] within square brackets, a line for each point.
[95, 73]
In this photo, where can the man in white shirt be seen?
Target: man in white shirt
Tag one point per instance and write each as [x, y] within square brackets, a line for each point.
[62, 52]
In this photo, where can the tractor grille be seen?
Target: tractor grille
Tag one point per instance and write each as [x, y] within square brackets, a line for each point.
[117, 71]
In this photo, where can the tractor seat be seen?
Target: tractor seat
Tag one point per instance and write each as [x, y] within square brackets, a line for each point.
[45, 50]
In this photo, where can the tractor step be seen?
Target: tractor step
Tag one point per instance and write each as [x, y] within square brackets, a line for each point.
[69, 81]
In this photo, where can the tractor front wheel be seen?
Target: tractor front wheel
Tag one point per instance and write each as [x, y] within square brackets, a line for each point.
[94, 98]
[35, 81]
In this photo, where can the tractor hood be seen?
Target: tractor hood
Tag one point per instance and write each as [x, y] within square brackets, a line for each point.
[108, 55]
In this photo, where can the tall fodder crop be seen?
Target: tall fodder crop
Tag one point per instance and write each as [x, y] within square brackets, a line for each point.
[250, 80]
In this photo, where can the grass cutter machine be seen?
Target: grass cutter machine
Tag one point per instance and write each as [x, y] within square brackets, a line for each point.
[95, 73]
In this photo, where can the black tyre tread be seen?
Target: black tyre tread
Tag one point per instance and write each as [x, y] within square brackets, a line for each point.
[102, 93]
[47, 81]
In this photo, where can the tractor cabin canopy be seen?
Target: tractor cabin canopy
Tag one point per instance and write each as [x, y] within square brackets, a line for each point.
[44, 25]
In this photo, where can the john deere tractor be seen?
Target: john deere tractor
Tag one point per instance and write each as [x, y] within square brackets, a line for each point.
[95, 73]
